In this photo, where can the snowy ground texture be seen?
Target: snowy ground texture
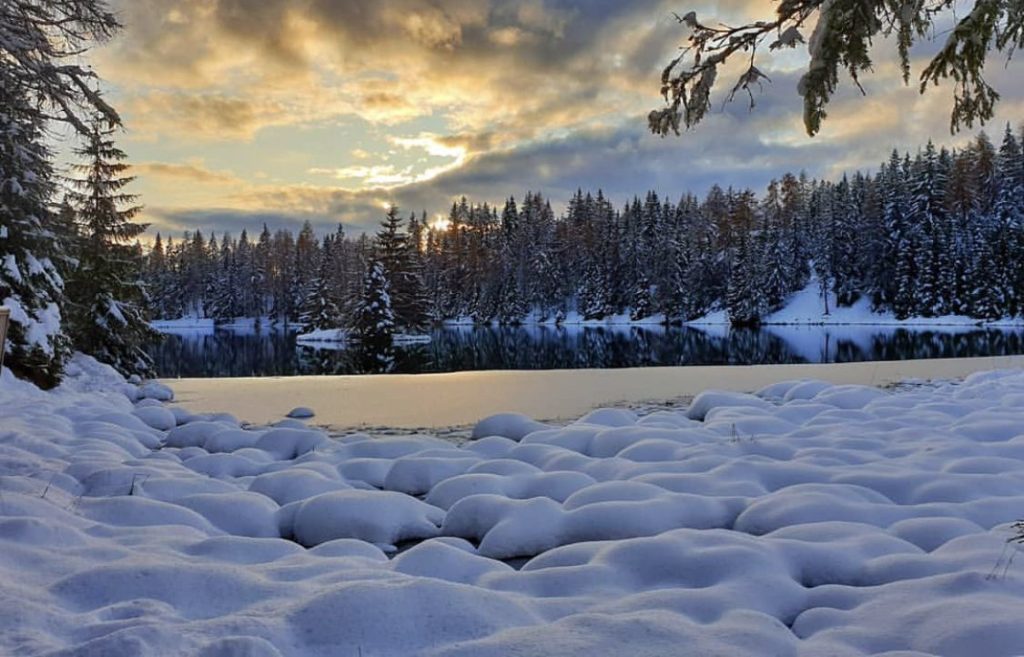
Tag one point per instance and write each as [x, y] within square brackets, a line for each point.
[809, 520]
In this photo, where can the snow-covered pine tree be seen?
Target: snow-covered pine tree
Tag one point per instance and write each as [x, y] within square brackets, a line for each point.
[591, 297]
[1008, 215]
[307, 266]
[319, 309]
[156, 276]
[744, 300]
[642, 306]
[395, 253]
[901, 247]
[928, 214]
[106, 296]
[245, 277]
[374, 322]
[772, 251]
[282, 278]
[226, 285]
[262, 269]
[30, 284]
[211, 285]
[846, 212]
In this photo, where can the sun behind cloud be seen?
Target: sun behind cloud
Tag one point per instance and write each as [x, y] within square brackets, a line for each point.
[316, 107]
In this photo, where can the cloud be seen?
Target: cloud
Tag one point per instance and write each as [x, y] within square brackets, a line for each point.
[430, 100]
[187, 172]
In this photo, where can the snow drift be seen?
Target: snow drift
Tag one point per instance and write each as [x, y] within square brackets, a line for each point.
[806, 520]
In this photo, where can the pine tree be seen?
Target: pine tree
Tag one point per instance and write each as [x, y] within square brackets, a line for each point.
[105, 292]
[263, 274]
[319, 310]
[1008, 211]
[643, 304]
[743, 301]
[398, 258]
[374, 323]
[156, 275]
[30, 284]
[772, 251]
[928, 213]
[225, 284]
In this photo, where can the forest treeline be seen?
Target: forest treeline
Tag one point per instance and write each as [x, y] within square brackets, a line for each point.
[937, 233]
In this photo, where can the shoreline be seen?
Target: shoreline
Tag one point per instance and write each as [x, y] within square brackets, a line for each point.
[427, 401]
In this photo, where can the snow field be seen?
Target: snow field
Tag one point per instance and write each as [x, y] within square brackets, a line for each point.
[808, 519]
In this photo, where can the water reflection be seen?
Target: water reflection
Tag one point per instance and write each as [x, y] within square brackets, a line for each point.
[228, 354]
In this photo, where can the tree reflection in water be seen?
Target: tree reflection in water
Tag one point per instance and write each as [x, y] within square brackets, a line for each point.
[228, 354]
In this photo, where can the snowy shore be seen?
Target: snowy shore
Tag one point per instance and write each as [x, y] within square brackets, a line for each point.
[461, 398]
[811, 519]
[803, 308]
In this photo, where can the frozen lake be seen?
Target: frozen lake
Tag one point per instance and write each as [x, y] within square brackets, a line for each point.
[456, 349]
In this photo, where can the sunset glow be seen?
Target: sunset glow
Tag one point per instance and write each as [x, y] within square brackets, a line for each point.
[440, 222]
[452, 98]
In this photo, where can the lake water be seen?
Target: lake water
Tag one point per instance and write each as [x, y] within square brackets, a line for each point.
[276, 353]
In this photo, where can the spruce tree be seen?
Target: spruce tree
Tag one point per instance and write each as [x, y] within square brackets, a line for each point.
[1008, 211]
[106, 296]
[319, 310]
[30, 284]
[397, 256]
[374, 322]
[928, 213]
[743, 300]
[643, 304]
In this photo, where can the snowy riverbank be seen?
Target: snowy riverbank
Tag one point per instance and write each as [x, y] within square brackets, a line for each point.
[804, 308]
[460, 398]
[809, 520]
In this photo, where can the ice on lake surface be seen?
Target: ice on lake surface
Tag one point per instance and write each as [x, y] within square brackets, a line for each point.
[276, 353]
[808, 519]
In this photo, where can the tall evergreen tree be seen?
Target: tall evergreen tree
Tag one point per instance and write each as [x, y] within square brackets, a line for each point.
[397, 255]
[319, 309]
[30, 284]
[1008, 218]
[105, 292]
[374, 323]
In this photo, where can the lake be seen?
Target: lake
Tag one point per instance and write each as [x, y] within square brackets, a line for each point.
[225, 353]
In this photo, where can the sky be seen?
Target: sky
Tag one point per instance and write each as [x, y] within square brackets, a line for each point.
[244, 112]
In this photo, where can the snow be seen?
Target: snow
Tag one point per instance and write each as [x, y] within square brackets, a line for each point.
[383, 518]
[39, 327]
[815, 517]
[10, 264]
[324, 335]
[807, 307]
[183, 325]
[338, 337]
[507, 425]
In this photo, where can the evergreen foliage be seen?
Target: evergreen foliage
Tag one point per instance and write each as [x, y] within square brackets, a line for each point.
[374, 322]
[106, 295]
[929, 235]
[841, 41]
[31, 285]
[398, 253]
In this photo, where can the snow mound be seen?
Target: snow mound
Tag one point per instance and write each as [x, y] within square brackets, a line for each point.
[379, 517]
[808, 519]
[513, 426]
[703, 403]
